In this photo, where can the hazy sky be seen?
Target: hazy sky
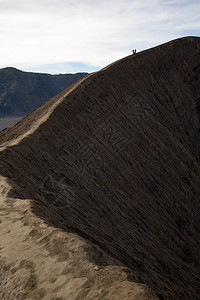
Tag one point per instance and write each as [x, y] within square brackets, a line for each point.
[62, 36]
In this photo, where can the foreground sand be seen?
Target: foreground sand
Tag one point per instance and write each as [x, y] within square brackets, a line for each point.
[41, 262]
[100, 185]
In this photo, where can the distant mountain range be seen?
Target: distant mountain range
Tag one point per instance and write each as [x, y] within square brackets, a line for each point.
[22, 92]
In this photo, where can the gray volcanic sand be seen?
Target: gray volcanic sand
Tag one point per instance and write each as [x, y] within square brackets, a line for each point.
[100, 185]
[38, 261]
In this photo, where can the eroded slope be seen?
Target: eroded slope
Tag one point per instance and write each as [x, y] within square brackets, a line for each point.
[117, 163]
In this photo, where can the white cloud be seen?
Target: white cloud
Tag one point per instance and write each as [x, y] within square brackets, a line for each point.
[94, 32]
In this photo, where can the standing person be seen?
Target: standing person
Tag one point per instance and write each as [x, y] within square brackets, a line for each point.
[135, 51]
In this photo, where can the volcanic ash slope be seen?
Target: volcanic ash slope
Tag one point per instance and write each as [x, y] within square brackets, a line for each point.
[100, 185]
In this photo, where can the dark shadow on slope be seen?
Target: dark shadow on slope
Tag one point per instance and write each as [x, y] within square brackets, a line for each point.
[116, 163]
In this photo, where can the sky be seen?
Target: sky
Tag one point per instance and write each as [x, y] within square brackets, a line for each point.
[69, 36]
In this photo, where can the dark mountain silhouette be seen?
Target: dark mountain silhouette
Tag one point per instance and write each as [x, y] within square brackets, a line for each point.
[22, 92]
[115, 160]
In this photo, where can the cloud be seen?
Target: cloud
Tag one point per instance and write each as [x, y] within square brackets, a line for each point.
[43, 32]
[63, 68]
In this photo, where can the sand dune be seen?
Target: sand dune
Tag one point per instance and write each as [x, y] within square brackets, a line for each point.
[100, 185]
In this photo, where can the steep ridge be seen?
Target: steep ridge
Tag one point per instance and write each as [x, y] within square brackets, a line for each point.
[116, 161]
[22, 92]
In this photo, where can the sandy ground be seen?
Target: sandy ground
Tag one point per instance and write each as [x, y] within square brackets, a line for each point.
[40, 262]
[121, 151]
